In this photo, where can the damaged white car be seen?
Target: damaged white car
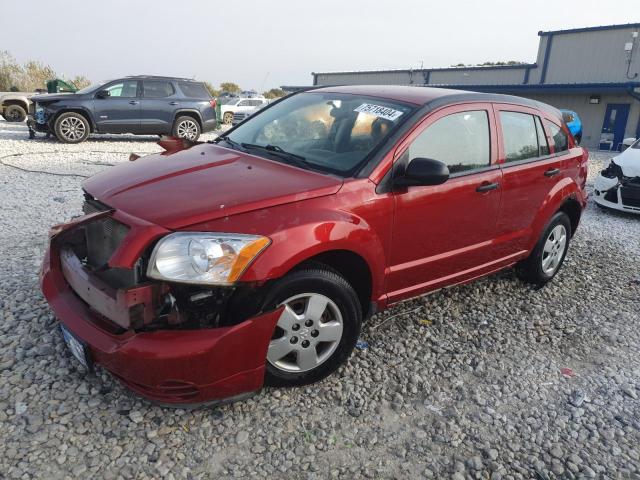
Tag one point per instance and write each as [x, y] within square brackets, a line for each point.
[618, 185]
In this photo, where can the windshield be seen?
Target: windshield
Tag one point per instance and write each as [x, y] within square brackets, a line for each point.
[330, 132]
[91, 88]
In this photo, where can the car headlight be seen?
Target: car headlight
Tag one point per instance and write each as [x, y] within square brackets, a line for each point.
[204, 258]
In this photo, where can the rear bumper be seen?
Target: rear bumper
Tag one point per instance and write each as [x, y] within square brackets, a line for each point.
[171, 367]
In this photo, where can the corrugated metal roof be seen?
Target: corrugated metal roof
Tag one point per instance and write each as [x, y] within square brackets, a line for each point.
[591, 29]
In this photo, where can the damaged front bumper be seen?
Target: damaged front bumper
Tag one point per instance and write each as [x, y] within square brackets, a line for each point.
[617, 192]
[168, 366]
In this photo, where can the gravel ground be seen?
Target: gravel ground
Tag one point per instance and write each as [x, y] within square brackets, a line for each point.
[465, 383]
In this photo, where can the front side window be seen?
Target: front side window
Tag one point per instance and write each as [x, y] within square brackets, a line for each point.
[559, 137]
[460, 140]
[520, 136]
[329, 132]
[126, 89]
[157, 89]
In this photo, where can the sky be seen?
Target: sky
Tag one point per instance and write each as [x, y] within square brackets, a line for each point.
[265, 44]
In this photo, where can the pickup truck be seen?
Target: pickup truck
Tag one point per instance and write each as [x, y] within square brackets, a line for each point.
[14, 105]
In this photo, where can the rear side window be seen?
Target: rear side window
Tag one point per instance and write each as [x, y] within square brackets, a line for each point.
[460, 140]
[194, 90]
[559, 137]
[157, 89]
[520, 136]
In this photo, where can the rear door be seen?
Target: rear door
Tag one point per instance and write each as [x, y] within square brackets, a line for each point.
[444, 234]
[120, 111]
[159, 104]
[531, 167]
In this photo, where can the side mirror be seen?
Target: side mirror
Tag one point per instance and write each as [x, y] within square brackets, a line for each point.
[103, 94]
[423, 171]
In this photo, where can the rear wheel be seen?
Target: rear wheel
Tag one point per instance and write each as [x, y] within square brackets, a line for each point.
[549, 253]
[71, 127]
[15, 113]
[316, 332]
[187, 128]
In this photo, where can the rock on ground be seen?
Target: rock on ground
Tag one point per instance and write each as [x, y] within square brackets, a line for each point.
[473, 393]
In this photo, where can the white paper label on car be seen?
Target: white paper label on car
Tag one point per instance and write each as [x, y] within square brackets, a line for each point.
[379, 111]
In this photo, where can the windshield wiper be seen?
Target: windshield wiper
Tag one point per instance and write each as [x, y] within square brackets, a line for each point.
[234, 145]
[294, 159]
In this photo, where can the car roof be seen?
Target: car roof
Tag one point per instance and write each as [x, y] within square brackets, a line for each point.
[160, 77]
[434, 96]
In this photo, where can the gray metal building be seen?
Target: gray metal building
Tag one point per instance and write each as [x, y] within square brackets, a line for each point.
[593, 71]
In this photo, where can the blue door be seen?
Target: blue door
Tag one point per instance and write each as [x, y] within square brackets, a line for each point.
[615, 121]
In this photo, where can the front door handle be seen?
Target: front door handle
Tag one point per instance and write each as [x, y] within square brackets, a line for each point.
[487, 187]
[551, 172]
[173, 103]
[133, 102]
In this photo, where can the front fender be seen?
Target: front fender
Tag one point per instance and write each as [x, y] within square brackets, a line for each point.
[335, 231]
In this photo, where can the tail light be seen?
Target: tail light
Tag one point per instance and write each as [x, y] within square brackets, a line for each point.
[213, 103]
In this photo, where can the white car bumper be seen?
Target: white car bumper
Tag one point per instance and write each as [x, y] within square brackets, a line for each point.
[607, 193]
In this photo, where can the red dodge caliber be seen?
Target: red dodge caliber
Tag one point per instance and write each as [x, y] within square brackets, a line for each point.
[200, 274]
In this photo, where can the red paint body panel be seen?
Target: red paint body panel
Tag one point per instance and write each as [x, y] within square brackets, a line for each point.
[204, 183]
[218, 363]
[414, 240]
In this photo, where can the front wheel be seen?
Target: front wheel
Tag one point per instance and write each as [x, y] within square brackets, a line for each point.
[71, 127]
[317, 330]
[549, 253]
[227, 118]
[187, 128]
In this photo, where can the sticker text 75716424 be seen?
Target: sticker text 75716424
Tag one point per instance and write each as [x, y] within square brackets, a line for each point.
[379, 111]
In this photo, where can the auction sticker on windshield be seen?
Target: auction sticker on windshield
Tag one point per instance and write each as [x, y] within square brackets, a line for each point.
[379, 111]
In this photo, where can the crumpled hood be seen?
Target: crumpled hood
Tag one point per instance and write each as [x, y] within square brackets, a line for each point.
[629, 161]
[204, 183]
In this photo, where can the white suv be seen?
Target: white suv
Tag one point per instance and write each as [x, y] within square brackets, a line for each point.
[231, 105]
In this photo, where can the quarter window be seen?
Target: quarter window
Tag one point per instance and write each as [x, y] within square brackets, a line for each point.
[542, 138]
[157, 89]
[460, 140]
[559, 137]
[520, 136]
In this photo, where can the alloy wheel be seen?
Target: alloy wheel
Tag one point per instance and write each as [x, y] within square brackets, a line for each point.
[554, 249]
[72, 128]
[188, 129]
[308, 332]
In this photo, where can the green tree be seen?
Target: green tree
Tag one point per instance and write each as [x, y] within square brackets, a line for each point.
[10, 71]
[230, 87]
[274, 93]
[80, 81]
[214, 92]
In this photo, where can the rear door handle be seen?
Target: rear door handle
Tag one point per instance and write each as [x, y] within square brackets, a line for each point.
[173, 103]
[133, 102]
[551, 172]
[487, 187]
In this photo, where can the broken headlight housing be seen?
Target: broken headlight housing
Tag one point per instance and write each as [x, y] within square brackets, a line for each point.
[204, 258]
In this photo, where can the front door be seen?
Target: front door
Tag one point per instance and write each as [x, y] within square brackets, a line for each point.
[120, 111]
[443, 234]
[615, 122]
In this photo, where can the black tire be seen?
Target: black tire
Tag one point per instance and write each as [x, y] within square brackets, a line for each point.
[15, 113]
[319, 282]
[186, 127]
[71, 127]
[532, 269]
[227, 118]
